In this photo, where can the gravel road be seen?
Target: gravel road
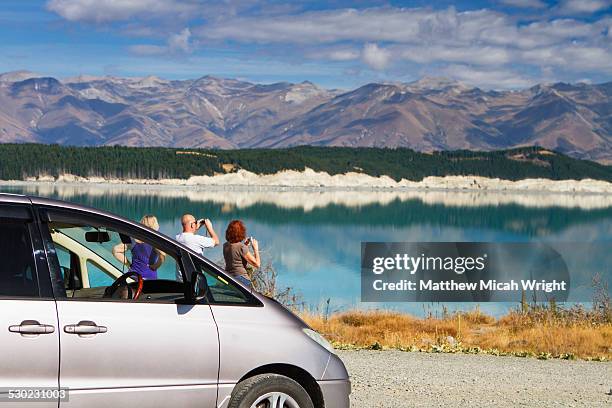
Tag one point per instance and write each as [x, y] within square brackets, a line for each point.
[395, 379]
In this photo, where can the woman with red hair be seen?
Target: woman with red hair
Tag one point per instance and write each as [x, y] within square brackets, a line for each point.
[236, 252]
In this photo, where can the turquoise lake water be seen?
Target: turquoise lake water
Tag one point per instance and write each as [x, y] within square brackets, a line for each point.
[313, 238]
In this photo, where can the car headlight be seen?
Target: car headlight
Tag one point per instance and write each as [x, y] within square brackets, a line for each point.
[322, 341]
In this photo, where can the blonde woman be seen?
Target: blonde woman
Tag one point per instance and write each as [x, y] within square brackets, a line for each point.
[146, 260]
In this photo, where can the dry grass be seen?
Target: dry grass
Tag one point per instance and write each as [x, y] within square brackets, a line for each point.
[539, 330]
[575, 333]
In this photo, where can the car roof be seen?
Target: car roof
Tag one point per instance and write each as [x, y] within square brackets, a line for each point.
[14, 198]
[49, 202]
[28, 199]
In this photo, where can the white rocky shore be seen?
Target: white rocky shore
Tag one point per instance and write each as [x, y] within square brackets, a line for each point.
[310, 179]
[309, 190]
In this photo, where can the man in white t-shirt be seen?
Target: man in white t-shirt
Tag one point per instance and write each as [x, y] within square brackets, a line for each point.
[196, 242]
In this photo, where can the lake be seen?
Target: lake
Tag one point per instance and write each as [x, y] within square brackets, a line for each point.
[312, 238]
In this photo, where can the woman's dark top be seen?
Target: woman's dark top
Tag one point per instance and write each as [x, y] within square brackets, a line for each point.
[235, 259]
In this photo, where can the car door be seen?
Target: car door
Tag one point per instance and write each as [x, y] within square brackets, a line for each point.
[158, 351]
[29, 339]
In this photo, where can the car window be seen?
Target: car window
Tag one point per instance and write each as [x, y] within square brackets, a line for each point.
[70, 268]
[63, 256]
[97, 275]
[219, 289]
[17, 269]
[103, 257]
[78, 233]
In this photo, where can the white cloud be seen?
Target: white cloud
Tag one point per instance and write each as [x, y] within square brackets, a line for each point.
[536, 4]
[583, 6]
[343, 55]
[587, 58]
[571, 57]
[481, 55]
[180, 41]
[485, 40]
[540, 33]
[403, 26]
[424, 36]
[490, 78]
[336, 54]
[369, 25]
[118, 10]
[375, 57]
[176, 44]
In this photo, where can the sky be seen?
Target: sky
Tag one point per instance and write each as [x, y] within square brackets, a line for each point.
[502, 44]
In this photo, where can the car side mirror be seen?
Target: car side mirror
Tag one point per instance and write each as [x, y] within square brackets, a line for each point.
[99, 237]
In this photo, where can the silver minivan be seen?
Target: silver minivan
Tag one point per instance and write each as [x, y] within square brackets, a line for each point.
[78, 329]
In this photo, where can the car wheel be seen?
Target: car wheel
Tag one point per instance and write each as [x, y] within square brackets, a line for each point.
[269, 391]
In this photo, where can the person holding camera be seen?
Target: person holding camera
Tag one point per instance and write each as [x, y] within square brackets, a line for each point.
[236, 252]
[192, 240]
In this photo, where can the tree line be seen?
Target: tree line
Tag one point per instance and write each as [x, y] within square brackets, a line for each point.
[20, 161]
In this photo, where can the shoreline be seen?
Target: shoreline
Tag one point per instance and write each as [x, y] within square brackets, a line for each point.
[310, 190]
[310, 180]
[311, 198]
[147, 185]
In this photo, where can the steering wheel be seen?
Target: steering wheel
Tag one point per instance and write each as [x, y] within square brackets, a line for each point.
[121, 282]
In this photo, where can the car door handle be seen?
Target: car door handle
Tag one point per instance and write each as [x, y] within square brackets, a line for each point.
[31, 327]
[85, 328]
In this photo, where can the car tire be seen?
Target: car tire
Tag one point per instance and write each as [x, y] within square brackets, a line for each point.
[268, 386]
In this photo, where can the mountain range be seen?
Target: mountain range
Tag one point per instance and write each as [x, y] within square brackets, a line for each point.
[425, 115]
